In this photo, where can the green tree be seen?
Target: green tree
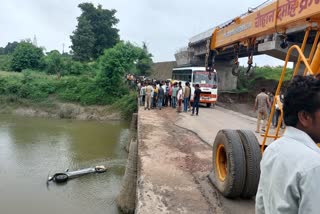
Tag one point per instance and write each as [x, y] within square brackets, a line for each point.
[53, 62]
[72, 67]
[144, 62]
[26, 55]
[96, 26]
[83, 40]
[10, 47]
[1, 50]
[115, 63]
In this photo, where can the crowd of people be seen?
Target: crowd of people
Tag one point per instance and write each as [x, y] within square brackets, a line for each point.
[159, 94]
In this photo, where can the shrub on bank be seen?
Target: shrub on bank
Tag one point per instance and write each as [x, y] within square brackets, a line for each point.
[262, 77]
[127, 105]
[5, 62]
[38, 87]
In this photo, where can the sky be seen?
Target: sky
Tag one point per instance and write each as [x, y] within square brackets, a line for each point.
[165, 25]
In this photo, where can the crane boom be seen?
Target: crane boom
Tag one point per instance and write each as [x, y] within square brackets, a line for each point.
[278, 16]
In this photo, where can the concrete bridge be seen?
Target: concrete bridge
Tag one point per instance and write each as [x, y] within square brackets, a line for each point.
[194, 53]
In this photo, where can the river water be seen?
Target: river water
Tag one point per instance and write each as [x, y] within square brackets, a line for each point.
[32, 148]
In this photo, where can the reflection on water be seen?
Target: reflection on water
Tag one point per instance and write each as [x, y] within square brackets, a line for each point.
[30, 149]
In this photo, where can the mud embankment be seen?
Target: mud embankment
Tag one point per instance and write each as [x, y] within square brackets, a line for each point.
[60, 111]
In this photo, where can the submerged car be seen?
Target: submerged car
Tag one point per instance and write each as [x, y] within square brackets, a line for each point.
[65, 176]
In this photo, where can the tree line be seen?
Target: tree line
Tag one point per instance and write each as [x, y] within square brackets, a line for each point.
[91, 73]
[95, 33]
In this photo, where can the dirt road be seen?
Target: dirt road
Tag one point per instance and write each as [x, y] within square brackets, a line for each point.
[174, 162]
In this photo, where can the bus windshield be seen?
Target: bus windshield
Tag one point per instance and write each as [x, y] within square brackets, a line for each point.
[201, 77]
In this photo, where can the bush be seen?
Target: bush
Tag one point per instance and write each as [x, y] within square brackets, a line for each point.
[261, 74]
[274, 73]
[26, 55]
[53, 62]
[5, 62]
[127, 105]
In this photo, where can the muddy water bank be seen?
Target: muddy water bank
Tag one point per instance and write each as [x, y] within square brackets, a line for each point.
[57, 110]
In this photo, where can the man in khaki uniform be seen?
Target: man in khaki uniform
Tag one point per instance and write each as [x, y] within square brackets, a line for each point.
[149, 90]
[262, 104]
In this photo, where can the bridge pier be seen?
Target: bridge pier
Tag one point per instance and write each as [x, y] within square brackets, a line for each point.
[226, 81]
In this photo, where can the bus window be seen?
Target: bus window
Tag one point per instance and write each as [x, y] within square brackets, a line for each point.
[183, 75]
[201, 77]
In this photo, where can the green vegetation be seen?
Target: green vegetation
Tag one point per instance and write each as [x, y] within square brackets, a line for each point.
[272, 73]
[25, 56]
[127, 105]
[261, 74]
[95, 32]
[99, 83]
[92, 74]
[5, 62]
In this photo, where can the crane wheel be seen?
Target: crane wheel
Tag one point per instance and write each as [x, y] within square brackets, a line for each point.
[229, 166]
[253, 158]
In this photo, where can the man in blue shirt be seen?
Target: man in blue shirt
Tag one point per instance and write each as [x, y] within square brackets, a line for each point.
[290, 167]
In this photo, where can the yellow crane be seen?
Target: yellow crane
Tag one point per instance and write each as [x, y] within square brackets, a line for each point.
[237, 153]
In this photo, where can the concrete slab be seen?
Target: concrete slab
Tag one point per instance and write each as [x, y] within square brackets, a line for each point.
[211, 120]
[173, 165]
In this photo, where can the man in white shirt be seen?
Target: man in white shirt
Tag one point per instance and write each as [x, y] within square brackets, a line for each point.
[290, 167]
[180, 97]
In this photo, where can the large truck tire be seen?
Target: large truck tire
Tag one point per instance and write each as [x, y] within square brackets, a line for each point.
[229, 165]
[253, 158]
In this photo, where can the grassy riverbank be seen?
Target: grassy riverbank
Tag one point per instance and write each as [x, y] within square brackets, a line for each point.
[78, 97]
[60, 79]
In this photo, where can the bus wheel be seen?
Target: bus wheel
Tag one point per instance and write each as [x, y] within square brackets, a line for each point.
[208, 105]
[253, 158]
[229, 166]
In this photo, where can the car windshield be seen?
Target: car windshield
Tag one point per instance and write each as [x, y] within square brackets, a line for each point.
[201, 77]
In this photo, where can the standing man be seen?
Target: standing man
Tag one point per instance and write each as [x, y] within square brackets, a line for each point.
[149, 91]
[164, 87]
[187, 93]
[142, 94]
[155, 96]
[290, 167]
[174, 95]
[196, 100]
[170, 94]
[160, 96]
[271, 100]
[166, 94]
[180, 97]
[262, 104]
